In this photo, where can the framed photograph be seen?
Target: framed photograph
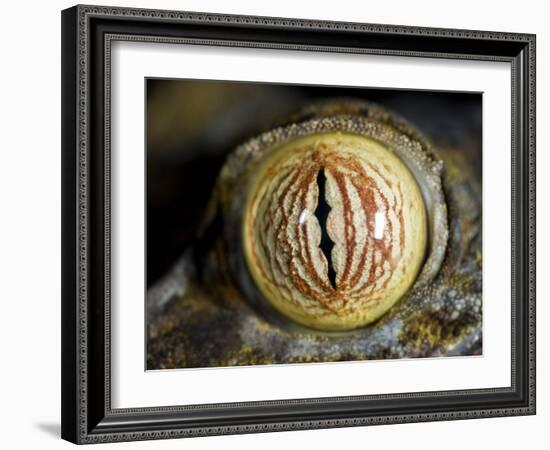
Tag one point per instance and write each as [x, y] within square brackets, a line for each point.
[281, 224]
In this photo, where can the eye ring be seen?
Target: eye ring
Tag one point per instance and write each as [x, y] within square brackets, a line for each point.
[397, 145]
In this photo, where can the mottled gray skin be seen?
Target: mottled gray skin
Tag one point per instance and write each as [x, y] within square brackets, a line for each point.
[199, 315]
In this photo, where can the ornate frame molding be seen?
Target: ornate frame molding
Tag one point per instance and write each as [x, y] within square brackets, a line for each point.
[88, 32]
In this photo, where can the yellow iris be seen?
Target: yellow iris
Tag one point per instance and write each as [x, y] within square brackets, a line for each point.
[334, 230]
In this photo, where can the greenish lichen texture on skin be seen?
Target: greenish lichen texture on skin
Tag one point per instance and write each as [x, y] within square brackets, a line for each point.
[201, 314]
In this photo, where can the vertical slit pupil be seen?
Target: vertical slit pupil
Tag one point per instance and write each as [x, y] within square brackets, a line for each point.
[321, 212]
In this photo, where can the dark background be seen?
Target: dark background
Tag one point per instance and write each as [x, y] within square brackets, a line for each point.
[192, 125]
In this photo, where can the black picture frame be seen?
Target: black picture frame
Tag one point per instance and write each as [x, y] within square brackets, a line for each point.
[87, 33]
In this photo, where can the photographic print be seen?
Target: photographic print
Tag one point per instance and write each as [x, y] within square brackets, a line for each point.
[311, 224]
[304, 200]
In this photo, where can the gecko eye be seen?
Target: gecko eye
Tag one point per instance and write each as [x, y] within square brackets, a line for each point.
[335, 230]
[339, 217]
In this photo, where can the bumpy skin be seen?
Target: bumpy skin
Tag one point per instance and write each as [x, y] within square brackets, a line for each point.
[204, 314]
